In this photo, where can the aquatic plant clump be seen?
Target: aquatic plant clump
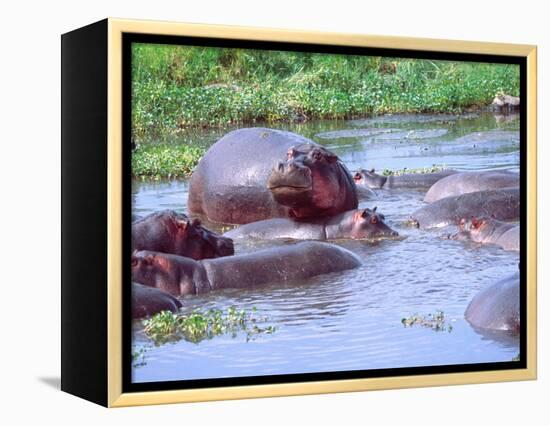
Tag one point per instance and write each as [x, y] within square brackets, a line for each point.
[423, 170]
[434, 321]
[201, 325]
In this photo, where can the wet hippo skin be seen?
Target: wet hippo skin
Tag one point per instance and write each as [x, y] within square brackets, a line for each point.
[465, 182]
[259, 173]
[355, 224]
[501, 204]
[171, 232]
[487, 230]
[496, 307]
[371, 179]
[147, 301]
[179, 275]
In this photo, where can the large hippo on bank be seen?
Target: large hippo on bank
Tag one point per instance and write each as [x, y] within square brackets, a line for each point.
[465, 182]
[497, 306]
[501, 204]
[371, 179]
[489, 231]
[171, 232]
[354, 224]
[179, 275]
[258, 173]
[147, 301]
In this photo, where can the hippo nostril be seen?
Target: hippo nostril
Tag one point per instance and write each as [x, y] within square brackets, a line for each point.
[281, 166]
[394, 234]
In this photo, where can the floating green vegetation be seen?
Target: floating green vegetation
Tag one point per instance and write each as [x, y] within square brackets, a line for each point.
[202, 325]
[516, 358]
[176, 87]
[433, 169]
[157, 161]
[138, 357]
[435, 321]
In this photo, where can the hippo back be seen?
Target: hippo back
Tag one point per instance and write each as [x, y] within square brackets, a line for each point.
[229, 183]
[497, 306]
[466, 182]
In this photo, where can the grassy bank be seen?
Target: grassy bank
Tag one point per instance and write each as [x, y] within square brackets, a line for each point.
[157, 161]
[177, 87]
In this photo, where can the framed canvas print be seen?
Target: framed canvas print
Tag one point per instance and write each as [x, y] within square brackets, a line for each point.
[253, 212]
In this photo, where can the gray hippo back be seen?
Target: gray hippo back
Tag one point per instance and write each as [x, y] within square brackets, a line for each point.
[465, 182]
[259, 173]
[501, 204]
[497, 306]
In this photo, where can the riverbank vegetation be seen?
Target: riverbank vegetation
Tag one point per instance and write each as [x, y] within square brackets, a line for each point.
[177, 87]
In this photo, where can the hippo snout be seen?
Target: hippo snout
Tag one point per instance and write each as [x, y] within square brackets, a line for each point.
[225, 246]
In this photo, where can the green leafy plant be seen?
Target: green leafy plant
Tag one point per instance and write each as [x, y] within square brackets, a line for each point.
[433, 169]
[200, 325]
[434, 321]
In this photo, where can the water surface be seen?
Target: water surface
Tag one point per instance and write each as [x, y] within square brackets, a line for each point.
[352, 320]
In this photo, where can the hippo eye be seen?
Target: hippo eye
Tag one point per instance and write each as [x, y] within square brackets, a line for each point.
[357, 176]
[374, 220]
[316, 155]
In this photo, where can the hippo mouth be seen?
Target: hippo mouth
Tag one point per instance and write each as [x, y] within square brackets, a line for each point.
[292, 188]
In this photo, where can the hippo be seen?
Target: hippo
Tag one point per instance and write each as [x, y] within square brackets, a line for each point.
[465, 182]
[259, 173]
[370, 179]
[503, 102]
[171, 232]
[497, 306]
[491, 231]
[354, 224]
[147, 301]
[501, 204]
[180, 276]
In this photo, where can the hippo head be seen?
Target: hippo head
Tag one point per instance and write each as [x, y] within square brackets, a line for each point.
[368, 224]
[197, 242]
[158, 270]
[312, 182]
[369, 178]
[473, 228]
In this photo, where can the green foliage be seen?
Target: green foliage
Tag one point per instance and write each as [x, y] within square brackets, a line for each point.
[433, 169]
[156, 161]
[176, 87]
[435, 321]
[200, 325]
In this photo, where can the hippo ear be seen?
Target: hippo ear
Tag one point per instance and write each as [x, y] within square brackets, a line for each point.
[372, 170]
[475, 222]
[182, 224]
[196, 222]
[134, 260]
[374, 209]
[365, 213]
[357, 176]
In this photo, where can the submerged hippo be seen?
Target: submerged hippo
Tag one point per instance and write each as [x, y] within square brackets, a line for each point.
[355, 224]
[462, 183]
[503, 102]
[497, 306]
[371, 179]
[171, 232]
[501, 204]
[258, 173]
[179, 275]
[489, 231]
[147, 301]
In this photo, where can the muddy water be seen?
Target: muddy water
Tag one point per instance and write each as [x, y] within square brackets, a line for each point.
[352, 320]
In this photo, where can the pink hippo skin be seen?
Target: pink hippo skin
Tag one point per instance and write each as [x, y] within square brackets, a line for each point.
[486, 230]
[171, 232]
[259, 173]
